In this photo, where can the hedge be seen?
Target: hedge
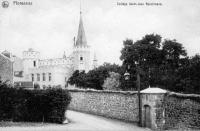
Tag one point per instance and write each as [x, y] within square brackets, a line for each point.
[33, 105]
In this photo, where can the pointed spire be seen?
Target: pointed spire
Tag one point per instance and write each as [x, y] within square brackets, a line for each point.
[80, 8]
[81, 38]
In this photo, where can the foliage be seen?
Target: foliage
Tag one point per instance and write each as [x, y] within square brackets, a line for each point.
[94, 78]
[147, 53]
[188, 74]
[33, 105]
[161, 63]
[112, 82]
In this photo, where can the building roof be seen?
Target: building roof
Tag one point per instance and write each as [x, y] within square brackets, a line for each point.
[81, 38]
[153, 90]
[6, 53]
[5, 57]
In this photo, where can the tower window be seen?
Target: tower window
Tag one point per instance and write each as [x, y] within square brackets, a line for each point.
[34, 63]
[81, 58]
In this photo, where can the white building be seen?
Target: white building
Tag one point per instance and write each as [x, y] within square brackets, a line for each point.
[55, 72]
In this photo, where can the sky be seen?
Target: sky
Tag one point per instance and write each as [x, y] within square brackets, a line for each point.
[49, 26]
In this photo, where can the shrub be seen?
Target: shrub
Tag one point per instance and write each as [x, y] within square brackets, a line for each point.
[58, 100]
[33, 105]
[112, 82]
[6, 102]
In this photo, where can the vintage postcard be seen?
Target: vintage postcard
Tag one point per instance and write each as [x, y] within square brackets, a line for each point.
[99, 65]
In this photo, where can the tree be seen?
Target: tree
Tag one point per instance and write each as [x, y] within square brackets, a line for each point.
[189, 76]
[78, 78]
[74, 78]
[147, 53]
[159, 62]
[112, 82]
[175, 59]
[94, 78]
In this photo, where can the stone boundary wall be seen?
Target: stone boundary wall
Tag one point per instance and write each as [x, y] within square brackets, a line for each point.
[182, 111]
[114, 104]
[167, 110]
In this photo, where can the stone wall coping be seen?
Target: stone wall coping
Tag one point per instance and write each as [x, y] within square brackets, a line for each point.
[183, 95]
[154, 90]
[103, 91]
[136, 92]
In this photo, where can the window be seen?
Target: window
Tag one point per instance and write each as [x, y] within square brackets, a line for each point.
[32, 76]
[49, 76]
[38, 77]
[81, 58]
[34, 63]
[43, 75]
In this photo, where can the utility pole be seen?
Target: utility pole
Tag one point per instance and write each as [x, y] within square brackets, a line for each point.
[139, 98]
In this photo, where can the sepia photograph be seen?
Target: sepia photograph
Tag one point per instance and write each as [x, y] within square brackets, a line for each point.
[99, 65]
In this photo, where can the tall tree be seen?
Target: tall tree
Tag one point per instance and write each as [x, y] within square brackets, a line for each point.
[175, 59]
[146, 53]
[189, 76]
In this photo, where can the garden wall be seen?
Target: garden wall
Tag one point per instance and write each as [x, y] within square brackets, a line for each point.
[182, 111]
[168, 110]
[118, 105]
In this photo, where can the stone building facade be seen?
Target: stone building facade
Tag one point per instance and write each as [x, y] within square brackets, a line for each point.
[52, 72]
[46, 72]
[6, 69]
[55, 72]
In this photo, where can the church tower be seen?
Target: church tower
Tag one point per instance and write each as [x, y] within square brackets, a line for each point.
[81, 50]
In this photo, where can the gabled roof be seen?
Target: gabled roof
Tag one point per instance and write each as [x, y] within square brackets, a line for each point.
[5, 57]
[6, 53]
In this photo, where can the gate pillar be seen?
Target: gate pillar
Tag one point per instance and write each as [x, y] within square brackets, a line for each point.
[152, 105]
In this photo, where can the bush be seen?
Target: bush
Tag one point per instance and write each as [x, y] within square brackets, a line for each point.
[33, 105]
[112, 82]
